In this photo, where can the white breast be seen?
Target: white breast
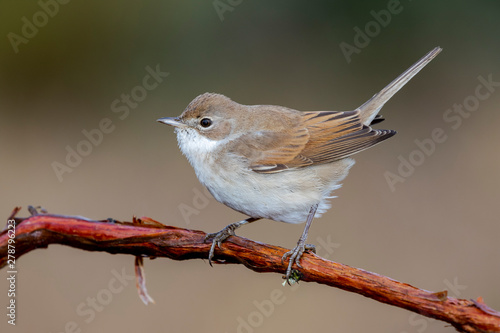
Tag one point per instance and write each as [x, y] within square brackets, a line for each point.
[284, 196]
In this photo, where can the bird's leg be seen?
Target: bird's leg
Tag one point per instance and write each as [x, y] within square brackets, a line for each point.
[219, 237]
[297, 252]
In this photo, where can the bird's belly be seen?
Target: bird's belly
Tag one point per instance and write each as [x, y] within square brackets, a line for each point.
[284, 196]
[268, 196]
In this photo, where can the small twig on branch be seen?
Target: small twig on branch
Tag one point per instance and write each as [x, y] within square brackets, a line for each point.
[146, 237]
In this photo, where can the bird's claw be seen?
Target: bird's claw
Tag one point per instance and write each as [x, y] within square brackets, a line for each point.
[295, 256]
[218, 238]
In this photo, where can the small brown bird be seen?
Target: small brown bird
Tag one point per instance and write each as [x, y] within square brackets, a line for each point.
[273, 162]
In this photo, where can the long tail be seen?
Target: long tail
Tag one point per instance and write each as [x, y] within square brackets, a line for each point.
[370, 109]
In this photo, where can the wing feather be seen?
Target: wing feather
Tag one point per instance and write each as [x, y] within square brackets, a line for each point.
[319, 137]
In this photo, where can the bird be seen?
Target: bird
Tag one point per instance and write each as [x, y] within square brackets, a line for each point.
[277, 163]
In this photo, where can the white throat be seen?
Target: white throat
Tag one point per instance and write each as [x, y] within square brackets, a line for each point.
[199, 150]
[193, 143]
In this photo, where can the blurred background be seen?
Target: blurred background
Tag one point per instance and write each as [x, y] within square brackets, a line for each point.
[69, 71]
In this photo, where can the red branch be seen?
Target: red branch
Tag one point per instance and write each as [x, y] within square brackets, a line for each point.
[145, 237]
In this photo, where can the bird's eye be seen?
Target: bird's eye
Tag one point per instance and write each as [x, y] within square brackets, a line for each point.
[206, 122]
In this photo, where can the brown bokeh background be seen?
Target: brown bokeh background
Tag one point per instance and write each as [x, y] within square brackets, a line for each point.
[438, 228]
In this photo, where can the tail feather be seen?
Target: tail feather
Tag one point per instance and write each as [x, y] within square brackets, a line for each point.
[378, 119]
[370, 109]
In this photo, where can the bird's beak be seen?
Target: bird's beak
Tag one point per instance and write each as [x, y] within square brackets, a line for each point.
[172, 121]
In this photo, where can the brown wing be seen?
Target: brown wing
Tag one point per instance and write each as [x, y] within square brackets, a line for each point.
[268, 151]
[337, 135]
[319, 137]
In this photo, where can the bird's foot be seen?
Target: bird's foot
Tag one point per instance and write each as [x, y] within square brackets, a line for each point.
[219, 237]
[291, 275]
